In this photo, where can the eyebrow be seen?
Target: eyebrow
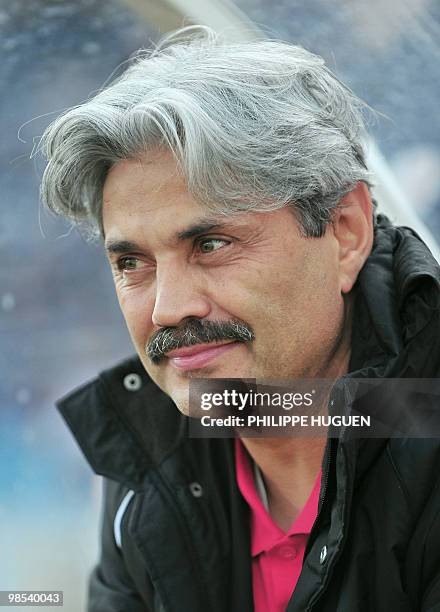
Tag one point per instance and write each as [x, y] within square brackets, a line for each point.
[200, 227]
[120, 246]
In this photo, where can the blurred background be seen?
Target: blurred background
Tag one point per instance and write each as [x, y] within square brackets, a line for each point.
[59, 319]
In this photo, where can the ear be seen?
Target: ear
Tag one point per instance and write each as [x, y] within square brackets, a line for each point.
[353, 230]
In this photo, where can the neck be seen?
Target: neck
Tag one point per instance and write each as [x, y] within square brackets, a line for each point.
[290, 466]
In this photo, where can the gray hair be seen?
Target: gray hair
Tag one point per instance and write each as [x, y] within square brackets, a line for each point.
[254, 126]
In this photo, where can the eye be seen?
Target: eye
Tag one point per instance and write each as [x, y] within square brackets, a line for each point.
[125, 264]
[209, 245]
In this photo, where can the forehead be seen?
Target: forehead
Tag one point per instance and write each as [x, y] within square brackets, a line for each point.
[143, 181]
[146, 201]
[151, 191]
[148, 198]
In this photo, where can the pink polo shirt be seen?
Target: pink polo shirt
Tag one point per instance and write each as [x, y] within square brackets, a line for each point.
[277, 556]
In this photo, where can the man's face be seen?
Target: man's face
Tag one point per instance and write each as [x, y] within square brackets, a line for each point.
[174, 263]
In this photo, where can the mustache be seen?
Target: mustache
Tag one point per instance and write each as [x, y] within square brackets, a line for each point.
[196, 331]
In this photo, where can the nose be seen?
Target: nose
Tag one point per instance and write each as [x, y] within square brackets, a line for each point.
[179, 294]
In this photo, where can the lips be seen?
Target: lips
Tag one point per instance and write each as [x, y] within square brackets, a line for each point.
[192, 357]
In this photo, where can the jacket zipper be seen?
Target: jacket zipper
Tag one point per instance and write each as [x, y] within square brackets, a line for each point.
[318, 595]
[329, 454]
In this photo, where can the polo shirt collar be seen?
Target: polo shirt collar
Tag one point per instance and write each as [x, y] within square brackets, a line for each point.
[265, 532]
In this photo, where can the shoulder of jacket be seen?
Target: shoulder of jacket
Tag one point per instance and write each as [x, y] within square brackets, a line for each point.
[416, 462]
[117, 498]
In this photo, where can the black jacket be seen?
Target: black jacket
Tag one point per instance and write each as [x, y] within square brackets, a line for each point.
[184, 535]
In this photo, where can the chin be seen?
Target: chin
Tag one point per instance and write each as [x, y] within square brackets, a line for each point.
[182, 402]
[183, 408]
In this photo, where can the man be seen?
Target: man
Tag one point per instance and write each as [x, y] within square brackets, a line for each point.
[228, 184]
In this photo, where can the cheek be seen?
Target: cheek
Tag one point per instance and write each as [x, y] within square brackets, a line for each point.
[298, 299]
[137, 307]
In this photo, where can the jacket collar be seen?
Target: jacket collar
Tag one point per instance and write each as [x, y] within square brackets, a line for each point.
[123, 422]
[126, 425]
[397, 296]
[395, 325]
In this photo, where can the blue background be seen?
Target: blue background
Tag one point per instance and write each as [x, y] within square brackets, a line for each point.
[59, 319]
